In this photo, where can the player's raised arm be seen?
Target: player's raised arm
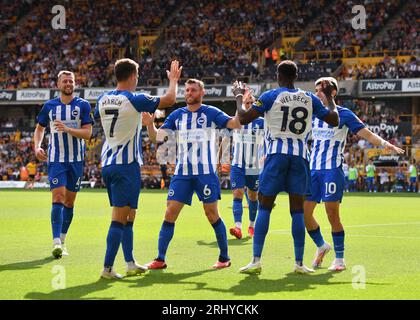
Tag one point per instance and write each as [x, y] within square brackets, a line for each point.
[377, 141]
[148, 121]
[325, 93]
[174, 74]
[243, 115]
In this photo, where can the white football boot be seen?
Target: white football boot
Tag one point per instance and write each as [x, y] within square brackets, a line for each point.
[302, 269]
[320, 254]
[134, 269]
[338, 265]
[251, 268]
[110, 273]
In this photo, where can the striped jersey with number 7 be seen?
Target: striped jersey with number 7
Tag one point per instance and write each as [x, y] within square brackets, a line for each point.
[120, 114]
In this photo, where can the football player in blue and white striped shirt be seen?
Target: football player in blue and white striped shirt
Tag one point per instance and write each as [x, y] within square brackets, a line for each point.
[327, 176]
[287, 114]
[70, 124]
[120, 112]
[196, 141]
[248, 151]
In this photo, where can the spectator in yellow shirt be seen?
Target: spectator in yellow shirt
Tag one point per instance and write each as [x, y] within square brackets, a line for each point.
[32, 168]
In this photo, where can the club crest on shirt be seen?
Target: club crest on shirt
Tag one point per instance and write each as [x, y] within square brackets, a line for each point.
[149, 97]
[201, 121]
[75, 113]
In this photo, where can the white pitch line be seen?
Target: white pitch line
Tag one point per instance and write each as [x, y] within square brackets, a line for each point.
[364, 226]
[386, 237]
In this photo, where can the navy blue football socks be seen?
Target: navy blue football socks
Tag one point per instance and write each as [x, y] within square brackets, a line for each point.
[261, 229]
[237, 210]
[165, 236]
[56, 219]
[221, 236]
[253, 207]
[127, 242]
[338, 238]
[113, 241]
[298, 233]
[317, 237]
[67, 218]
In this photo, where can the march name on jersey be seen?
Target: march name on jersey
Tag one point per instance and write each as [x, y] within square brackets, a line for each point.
[329, 142]
[196, 135]
[288, 119]
[120, 113]
[248, 145]
[63, 147]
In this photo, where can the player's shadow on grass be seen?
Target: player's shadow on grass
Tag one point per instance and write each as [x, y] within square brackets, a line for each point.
[252, 284]
[162, 277]
[231, 242]
[25, 265]
[71, 293]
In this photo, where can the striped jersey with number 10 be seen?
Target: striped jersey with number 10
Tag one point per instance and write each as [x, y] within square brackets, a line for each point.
[329, 142]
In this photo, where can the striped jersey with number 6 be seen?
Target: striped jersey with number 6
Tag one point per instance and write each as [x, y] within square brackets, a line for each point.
[120, 113]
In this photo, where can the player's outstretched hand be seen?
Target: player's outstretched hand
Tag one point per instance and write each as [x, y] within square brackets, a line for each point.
[327, 88]
[248, 97]
[59, 126]
[40, 154]
[147, 118]
[175, 73]
[238, 88]
[390, 147]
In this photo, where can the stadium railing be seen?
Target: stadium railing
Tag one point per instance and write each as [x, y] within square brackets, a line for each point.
[325, 55]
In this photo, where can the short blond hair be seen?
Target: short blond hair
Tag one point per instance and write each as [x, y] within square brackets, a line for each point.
[66, 73]
[193, 81]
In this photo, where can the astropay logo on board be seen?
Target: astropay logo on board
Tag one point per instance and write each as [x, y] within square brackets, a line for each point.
[6, 95]
[382, 86]
[33, 95]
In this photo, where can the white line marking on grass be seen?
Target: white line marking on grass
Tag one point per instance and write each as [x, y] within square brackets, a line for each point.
[363, 226]
[386, 237]
[384, 224]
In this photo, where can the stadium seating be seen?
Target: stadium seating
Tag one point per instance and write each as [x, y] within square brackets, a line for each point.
[217, 42]
[88, 45]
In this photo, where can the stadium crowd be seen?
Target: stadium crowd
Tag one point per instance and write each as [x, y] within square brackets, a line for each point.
[388, 68]
[404, 35]
[221, 39]
[88, 45]
[215, 41]
[11, 12]
[335, 31]
[16, 156]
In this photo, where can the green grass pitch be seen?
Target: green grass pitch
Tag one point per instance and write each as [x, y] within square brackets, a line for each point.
[382, 243]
